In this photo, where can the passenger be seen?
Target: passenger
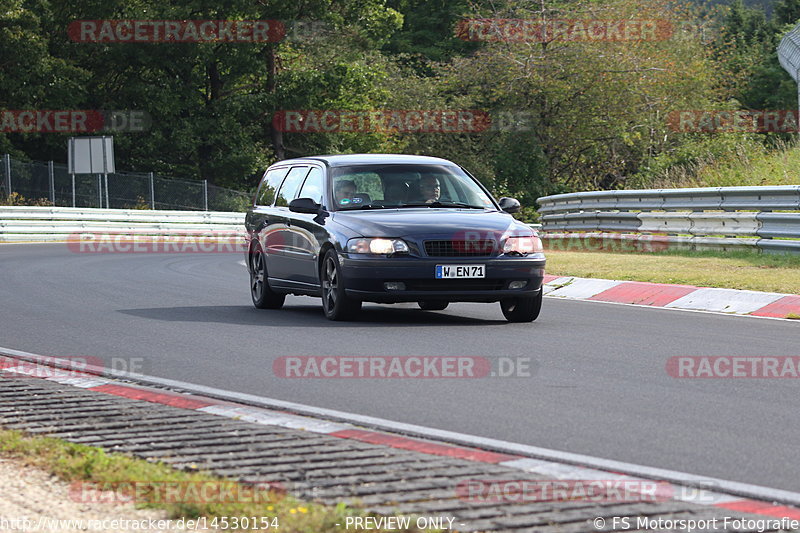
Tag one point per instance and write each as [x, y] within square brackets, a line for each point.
[344, 189]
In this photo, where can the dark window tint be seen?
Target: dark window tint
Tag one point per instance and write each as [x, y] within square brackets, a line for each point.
[312, 188]
[288, 190]
[266, 193]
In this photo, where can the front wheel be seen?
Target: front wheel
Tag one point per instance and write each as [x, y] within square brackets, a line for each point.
[262, 294]
[336, 304]
[522, 309]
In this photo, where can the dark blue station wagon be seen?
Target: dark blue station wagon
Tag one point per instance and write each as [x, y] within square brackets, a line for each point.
[388, 228]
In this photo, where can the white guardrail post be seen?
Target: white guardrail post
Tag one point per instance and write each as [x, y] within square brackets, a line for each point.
[152, 192]
[7, 168]
[52, 182]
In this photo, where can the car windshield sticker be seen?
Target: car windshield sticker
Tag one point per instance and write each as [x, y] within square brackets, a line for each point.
[344, 201]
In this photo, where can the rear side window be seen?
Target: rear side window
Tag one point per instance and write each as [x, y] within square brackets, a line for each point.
[312, 188]
[266, 193]
[288, 190]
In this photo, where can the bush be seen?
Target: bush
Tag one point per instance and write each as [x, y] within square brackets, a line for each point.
[529, 215]
[16, 198]
[230, 202]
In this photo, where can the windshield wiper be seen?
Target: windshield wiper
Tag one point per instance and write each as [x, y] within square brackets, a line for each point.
[444, 204]
[366, 206]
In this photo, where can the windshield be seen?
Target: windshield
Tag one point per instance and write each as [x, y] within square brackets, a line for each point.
[397, 186]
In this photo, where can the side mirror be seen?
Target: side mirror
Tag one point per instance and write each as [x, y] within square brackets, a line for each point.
[304, 205]
[509, 205]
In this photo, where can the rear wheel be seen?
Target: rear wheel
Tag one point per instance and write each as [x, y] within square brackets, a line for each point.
[522, 309]
[432, 305]
[261, 293]
[336, 304]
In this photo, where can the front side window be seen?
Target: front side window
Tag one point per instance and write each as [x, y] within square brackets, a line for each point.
[312, 187]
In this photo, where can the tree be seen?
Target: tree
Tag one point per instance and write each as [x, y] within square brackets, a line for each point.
[211, 103]
[598, 108]
[787, 12]
[428, 32]
[33, 78]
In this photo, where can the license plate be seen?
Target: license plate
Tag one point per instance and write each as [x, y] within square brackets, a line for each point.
[460, 271]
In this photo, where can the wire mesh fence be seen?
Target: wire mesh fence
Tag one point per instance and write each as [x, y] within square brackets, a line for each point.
[43, 183]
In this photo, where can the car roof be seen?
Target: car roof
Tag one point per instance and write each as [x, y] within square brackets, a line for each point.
[368, 159]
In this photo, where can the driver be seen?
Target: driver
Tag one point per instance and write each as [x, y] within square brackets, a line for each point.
[429, 189]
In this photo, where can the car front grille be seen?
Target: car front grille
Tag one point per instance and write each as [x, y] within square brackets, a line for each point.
[455, 285]
[455, 248]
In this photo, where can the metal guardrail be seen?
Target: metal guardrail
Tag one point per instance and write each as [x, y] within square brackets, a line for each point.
[18, 223]
[700, 218]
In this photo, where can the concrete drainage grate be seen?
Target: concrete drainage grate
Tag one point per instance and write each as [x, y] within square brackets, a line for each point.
[311, 466]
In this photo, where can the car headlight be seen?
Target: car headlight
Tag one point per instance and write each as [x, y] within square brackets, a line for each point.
[377, 246]
[530, 244]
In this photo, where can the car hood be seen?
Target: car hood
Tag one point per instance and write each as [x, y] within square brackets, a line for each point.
[431, 223]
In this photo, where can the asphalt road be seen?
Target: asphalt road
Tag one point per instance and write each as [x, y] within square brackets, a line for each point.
[599, 385]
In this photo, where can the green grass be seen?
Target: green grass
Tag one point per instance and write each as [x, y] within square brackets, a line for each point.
[747, 164]
[732, 270]
[74, 462]
[760, 168]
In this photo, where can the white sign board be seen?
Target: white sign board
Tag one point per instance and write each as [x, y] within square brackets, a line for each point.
[90, 155]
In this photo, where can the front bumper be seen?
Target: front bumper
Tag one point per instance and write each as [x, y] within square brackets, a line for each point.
[364, 278]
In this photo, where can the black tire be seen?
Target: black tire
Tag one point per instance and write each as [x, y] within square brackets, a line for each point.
[335, 302]
[262, 294]
[522, 309]
[432, 305]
